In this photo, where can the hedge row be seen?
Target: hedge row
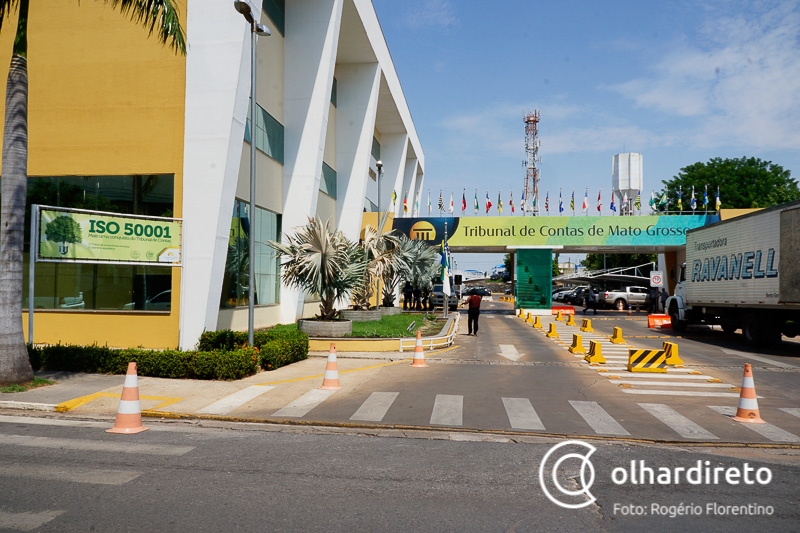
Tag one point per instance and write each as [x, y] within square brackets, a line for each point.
[221, 355]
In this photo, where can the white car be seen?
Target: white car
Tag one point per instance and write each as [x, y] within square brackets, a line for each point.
[160, 302]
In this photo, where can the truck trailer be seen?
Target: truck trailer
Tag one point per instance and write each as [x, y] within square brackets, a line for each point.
[743, 273]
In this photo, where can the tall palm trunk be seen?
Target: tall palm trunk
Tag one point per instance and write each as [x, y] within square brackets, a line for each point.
[15, 366]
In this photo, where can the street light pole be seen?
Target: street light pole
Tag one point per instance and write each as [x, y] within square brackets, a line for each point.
[256, 29]
[379, 165]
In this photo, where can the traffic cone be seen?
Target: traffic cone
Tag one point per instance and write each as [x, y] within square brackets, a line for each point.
[129, 413]
[331, 379]
[748, 404]
[419, 354]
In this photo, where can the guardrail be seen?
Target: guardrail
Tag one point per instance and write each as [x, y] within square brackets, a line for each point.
[438, 341]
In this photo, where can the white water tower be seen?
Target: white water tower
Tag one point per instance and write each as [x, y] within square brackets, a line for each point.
[627, 178]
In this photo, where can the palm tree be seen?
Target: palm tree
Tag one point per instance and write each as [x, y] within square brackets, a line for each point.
[321, 261]
[381, 254]
[159, 17]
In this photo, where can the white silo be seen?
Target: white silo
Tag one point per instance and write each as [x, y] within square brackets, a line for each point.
[627, 179]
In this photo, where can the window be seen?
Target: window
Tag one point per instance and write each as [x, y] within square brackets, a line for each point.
[235, 285]
[328, 182]
[376, 149]
[269, 134]
[276, 10]
[333, 93]
[78, 286]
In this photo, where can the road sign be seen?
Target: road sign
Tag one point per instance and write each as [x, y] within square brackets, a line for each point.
[656, 279]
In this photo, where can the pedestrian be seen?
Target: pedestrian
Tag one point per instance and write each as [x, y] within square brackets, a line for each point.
[591, 301]
[417, 295]
[653, 296]
[473, 313]
[664, 296]
[408, 294]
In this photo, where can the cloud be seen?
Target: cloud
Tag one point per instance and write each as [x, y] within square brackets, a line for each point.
[739, 84]
[430, 13]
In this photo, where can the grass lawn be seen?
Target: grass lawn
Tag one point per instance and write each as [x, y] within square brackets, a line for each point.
[22, 387]
[391, 326]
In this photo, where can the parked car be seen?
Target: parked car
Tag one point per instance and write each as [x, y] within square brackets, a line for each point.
[620, 299]
[558, 295]
[480, 291]
[160, 302]
[437, 297]
[578, 296]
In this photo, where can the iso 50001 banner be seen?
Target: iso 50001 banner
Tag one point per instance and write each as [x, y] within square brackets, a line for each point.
[90, 236]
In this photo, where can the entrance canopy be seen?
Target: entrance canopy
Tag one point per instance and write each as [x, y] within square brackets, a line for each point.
[570, 234]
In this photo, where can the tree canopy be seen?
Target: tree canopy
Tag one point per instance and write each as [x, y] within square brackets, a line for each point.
[743, 183]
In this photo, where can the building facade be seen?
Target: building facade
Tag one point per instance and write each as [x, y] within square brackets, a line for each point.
[119, 123]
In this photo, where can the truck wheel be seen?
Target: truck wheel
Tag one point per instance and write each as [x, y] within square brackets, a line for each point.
[729, 327]
[751, 328]
[620, 305]
[678, 326]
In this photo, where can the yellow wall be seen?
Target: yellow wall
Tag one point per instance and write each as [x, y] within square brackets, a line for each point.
[104, 99]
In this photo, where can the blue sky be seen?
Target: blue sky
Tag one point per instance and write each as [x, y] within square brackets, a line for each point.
[677, 81]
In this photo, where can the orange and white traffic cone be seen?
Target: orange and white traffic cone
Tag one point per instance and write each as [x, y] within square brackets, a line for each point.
[331, 379]
[129, 413]
[748, 404]
[419, 354]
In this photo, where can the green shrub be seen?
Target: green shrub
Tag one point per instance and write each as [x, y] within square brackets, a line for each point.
[278, 347]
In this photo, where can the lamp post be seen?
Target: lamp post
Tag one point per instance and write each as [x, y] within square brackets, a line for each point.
[256, 29]
[379, 165]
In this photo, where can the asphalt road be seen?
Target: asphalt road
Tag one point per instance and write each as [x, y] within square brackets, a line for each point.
[67, 475]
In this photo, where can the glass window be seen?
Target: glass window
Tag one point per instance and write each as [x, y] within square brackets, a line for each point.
[78, 286]
[376, 149]
[235, 285]
[328, 182]
[333, 93]
[269, 134]
[276, 10]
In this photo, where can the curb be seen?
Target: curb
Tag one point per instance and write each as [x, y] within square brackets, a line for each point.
[28, 406]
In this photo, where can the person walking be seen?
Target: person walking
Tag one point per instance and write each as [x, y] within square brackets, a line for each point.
[653, 297]
[408, 294]
[591, 301]
[473, 312]
[664, 295]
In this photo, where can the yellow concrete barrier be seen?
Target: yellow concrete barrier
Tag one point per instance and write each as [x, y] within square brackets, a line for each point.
[577, 345]
[671, 352]
[559, 316]
[595, 355]
[529, 319]
[571, 320]
[586, 327]
[647, 361]
[616, 336]
[537, 323]
[552, 334]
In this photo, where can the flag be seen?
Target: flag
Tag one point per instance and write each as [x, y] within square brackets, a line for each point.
[511, 201]
[637, 203]
[560, 202]
[405, 202]
[463, 201]
[719, 204]
[441, 201]
[488, 203]
[585, 206]
[499, 203]
[547, 202]
[416, 207]
[394, 198]
[429, 201]
[613, 206]
[705, 198]
[522, 202]
[652, 202]
[452, 206]
[693, 202]
[475, 205]
[664, 202]
[572, 201]
[599, 201]
[624, 204]
[680, 202]
[445, 269]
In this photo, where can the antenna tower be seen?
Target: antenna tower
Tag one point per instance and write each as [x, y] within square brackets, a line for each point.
[532, 151]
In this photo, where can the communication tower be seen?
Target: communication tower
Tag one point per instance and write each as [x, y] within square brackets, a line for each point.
[532, 151]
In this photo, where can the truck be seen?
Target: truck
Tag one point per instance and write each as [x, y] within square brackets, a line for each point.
[622, 298]
[743, 273]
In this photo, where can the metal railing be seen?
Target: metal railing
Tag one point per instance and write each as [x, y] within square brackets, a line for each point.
[436, 341]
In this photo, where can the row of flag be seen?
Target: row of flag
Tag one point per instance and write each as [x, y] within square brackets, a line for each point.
[627, 205]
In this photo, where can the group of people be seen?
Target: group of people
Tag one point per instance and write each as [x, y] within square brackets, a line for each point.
[656, 297]
[415, 298]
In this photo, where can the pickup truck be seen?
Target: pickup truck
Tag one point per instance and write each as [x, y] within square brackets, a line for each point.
[623, 297]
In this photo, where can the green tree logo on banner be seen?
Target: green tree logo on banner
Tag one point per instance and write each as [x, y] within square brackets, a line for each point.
[63, 230]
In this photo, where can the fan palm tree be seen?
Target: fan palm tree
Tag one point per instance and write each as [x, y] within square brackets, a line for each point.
[320, 260]
[157, 16]
[403, 258]
[380, 252]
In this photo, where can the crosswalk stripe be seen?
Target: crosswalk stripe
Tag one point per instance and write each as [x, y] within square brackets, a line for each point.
[682, 393]
[625, 369]
[773, 433]
[682, 425]
[598, 419]
[794, 411]
[26, 521]
[305, 403]
[375, 407]
[488, 316]
[237, 399]
[669, 383]
[447, 410]
[93, 445]
[521, 414]
[647, 375]
[74, 474]
[757, 358]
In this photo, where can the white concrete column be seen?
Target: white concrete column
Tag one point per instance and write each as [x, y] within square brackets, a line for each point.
[409, 186]
[310, 47]
[217, 92]
[357, 95]
[394, 147]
